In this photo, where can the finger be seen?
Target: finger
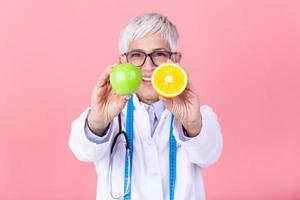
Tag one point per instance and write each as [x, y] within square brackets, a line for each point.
[162, 98]
[187, 93]
[104, 77]
[170, 60]
[192, 89]
[166, 101]
[189, 87]
[119, 60]
[104, 91]
[125, 98]
[119, 101]
[102, 86]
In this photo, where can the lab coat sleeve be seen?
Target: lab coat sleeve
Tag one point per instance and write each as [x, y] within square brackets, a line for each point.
[95, 138]
[205, 148]
[86, 147]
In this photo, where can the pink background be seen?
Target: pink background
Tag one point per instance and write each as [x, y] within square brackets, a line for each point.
[243, 57]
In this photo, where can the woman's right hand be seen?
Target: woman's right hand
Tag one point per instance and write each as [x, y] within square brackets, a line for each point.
[105, 104]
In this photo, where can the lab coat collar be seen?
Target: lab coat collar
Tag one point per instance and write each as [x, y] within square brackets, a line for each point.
[138, 106]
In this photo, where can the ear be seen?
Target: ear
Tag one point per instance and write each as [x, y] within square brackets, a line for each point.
[122, 59]
[177, 57]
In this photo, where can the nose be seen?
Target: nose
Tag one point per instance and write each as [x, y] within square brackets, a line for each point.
[148, 65]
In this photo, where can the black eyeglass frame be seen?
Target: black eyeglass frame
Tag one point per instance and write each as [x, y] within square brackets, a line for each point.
[148, 54]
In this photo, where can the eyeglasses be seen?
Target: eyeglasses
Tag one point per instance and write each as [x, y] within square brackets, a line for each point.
[138, 58]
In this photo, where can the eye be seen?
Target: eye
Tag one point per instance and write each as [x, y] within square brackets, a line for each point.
[160, 54]
[135, 54]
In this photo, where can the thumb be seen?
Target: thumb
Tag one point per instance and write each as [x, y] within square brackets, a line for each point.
[167, 102]
[163, 99]
[124, 100]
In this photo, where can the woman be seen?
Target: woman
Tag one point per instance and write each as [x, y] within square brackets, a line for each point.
[147, 41]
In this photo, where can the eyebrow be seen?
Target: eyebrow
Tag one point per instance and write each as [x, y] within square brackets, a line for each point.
[157, 49]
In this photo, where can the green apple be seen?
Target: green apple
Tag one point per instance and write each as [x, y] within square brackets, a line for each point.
[125, 79]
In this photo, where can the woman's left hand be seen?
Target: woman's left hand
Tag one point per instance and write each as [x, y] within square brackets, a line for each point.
[186, 109]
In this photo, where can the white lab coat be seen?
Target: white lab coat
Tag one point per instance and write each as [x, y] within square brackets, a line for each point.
[150, 170]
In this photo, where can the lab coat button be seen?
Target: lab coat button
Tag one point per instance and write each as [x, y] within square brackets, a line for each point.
[155, 174]
[149, 142]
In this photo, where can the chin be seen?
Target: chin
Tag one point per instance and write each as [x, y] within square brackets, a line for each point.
[147, 95]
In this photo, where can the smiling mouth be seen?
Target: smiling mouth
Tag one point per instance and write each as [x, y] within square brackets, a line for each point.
[146, 78]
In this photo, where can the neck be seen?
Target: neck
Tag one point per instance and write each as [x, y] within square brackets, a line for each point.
[148, 101]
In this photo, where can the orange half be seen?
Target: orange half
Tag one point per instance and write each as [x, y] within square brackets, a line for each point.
[169, 80]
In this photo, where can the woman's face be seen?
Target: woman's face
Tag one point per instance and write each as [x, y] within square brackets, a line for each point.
[148, 44]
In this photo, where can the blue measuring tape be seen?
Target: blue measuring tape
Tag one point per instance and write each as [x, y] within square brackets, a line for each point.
[172, 161]
[130, 133]
[172, 153]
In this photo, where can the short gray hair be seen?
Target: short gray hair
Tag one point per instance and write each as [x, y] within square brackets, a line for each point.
[148, 24]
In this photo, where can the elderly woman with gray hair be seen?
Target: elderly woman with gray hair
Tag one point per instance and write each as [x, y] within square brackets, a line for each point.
[166, 142]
